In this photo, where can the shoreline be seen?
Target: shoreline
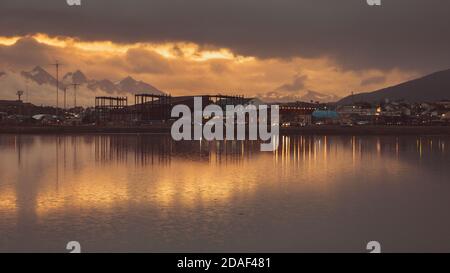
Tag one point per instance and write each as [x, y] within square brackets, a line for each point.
[310, 130]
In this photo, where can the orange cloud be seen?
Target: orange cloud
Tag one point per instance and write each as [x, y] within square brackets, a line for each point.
[187, 68]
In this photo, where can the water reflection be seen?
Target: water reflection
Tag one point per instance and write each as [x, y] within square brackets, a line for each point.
[52, 186]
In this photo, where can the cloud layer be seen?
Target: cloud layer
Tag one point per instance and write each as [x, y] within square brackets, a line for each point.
[404, 34]
[189, 69]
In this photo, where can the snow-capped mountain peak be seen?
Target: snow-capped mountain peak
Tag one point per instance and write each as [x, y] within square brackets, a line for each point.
[127, 85]
[40, 76]
[39, 86]
[75, 77]
[304, 96]
[133, 86]
[316, 96]
[104, 85]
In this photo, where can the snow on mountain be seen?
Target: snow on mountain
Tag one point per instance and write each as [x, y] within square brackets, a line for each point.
[40, 76]
[132, 86]
[39, 87]
[127, 85]
[75, 77]
[37, 93]
[316, 96]
[105, 85]
[305, 96]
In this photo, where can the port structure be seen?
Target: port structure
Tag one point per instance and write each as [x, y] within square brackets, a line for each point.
[150, 107]
[112, 109]
[224, 100]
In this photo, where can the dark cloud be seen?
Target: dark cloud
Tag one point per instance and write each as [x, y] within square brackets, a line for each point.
[25, 53]
[373, 80]
[406, 34]
[28, 52]
[297, 84]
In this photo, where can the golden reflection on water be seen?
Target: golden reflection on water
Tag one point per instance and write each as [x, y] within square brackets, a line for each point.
[8, 200]
[42, 175]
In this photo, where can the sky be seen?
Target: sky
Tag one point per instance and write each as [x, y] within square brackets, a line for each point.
[272, 49]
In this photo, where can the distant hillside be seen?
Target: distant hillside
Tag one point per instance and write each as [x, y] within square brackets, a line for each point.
[433, 87]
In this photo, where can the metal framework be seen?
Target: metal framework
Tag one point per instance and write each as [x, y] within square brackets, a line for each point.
[152, 107]
[112, 108]
[223, 100]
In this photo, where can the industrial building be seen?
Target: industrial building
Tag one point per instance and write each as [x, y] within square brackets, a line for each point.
[151, 109]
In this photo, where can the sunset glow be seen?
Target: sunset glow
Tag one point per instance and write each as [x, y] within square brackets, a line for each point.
[188, 68]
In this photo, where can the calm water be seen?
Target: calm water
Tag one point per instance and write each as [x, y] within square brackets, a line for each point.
[148, 193]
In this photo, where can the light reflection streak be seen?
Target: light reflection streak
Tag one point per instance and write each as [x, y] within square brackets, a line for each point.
[105, 172]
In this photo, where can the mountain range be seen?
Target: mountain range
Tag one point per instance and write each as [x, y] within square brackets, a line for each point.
[127, 85]
[39, 85]
[430, 88]
[305, 96]
[316, 96]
